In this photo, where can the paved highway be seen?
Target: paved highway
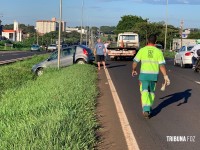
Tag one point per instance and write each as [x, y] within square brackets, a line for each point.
[7, 56]
[175, 123]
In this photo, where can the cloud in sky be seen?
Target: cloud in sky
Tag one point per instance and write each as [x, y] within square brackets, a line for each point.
[160, 2]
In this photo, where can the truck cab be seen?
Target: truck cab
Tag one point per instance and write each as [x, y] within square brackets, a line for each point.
[126, 47]
[128, 40]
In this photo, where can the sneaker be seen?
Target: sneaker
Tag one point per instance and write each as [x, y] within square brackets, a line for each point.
[193, 67]
[146, 114]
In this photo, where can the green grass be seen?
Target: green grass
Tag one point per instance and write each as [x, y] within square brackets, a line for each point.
[56, 111]
[16, 74]
[3, 48]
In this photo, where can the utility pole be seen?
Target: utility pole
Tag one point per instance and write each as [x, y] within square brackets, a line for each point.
[86, 36]
[166, 22]
[37, 36]
[181, 32]
[0, 26]
[59, 34]
[81, 40]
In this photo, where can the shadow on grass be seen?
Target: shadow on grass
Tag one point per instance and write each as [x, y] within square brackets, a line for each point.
[172, 98]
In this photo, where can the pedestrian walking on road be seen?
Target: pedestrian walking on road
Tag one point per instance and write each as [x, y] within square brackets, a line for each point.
[152, 60]
[100, 53]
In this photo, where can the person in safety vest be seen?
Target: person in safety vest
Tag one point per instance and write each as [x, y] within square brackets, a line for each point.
[152, 60]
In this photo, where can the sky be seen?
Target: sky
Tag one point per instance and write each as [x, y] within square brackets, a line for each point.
[101, 12]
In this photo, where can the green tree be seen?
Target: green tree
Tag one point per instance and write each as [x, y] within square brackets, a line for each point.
[128, 22]
[71, 38]
[144, 29]
[107, 29]
[8, 27]
[194, 35]
[25, 28]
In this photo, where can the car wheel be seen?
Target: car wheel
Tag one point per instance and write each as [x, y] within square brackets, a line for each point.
[182, 65]
[39, 72]
[80, 61]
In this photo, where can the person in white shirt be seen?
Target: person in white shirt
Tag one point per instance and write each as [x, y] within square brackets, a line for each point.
[195, 53]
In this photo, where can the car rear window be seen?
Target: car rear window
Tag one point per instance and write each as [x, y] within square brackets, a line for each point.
[189, 48]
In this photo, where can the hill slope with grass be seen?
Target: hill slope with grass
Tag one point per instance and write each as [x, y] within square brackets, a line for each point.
[54, 111]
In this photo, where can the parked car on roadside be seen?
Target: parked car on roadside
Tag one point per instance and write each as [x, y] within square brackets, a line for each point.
[183, 56]
[52, 47]
[35, 47]
[76, 54]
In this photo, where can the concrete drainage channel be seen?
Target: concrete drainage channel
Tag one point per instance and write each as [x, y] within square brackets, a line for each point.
[14, 60]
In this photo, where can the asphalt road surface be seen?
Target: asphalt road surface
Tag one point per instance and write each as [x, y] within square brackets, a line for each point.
[175, 124]
[8, 55]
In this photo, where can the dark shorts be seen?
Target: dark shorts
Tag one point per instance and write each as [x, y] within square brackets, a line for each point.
[100, 58]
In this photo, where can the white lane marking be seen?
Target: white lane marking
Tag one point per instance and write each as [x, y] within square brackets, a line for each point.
[197, 82]
[128, 133]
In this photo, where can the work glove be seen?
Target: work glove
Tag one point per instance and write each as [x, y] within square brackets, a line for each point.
[167, 81]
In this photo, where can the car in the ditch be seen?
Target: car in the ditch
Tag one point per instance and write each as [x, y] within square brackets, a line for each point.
[76, 54]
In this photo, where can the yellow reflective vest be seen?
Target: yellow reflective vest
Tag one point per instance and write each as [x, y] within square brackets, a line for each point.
[150, 57]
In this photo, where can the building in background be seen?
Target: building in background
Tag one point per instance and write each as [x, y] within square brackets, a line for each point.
[177, 43]
[70, 29]
[14, 35]
[46, 26]
[185, 33]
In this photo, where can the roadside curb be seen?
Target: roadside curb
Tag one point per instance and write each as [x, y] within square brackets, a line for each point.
[14, 60]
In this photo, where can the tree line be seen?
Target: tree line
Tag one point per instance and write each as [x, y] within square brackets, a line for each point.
[127, 23]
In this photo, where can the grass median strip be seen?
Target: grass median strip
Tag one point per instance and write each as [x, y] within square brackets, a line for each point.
[56, 111]
[16, 74]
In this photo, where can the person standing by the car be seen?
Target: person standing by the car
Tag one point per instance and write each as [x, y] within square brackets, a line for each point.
[152, 60]
[195, 53]
[100, 53]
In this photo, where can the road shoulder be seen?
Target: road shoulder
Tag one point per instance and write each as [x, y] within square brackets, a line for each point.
[110, 133]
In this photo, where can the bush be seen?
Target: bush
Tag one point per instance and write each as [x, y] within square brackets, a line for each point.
[169, 54]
